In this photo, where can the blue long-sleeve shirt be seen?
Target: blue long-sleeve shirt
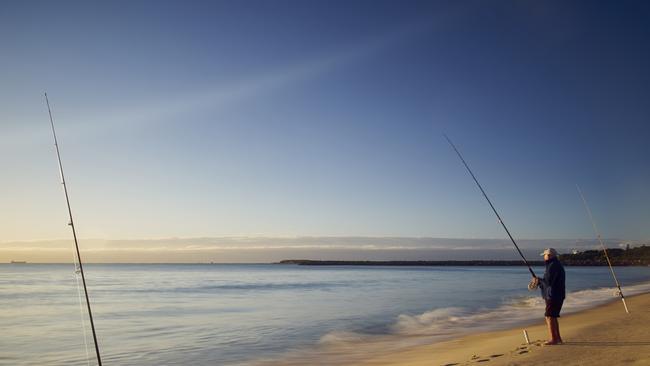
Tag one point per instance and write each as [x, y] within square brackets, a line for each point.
[553, 283]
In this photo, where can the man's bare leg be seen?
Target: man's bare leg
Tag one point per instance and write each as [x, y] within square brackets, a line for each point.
[556, 329]
[551, 323]
[550, 330]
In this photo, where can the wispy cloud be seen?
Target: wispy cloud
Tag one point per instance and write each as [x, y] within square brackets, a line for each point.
[278, 78]
[168, 107]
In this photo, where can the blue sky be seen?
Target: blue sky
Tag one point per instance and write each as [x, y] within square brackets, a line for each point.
[306, 118]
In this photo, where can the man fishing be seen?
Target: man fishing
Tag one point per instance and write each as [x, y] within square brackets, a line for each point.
[553, 292]
[552, 285]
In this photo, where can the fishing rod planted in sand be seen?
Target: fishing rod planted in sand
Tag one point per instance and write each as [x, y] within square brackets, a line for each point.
[593, 223]
[74, 233]
[492, 206]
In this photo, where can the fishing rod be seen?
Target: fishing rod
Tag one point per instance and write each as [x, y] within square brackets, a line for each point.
[593, 223]
[74, 233]
[491, 205]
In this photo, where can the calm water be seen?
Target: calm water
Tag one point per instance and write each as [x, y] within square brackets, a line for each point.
[244, 314]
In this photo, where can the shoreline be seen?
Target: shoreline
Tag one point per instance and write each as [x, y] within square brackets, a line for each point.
[599, 335]
[603, 335]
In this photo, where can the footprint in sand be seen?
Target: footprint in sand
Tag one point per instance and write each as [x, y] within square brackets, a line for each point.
[494, 356]
[451, 364]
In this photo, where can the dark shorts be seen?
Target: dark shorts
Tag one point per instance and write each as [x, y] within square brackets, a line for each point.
[553, 308]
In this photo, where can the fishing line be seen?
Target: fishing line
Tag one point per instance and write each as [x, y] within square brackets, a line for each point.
[593, 223]
[493, 209]
[81, 309]
[74, 232]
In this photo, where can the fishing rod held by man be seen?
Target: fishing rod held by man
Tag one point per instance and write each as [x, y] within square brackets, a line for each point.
[551, 285]
[530, 269]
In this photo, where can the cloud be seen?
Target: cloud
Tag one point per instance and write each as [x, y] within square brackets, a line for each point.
[270, 249]
[166, 107]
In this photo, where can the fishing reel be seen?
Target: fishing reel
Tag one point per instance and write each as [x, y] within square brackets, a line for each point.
[534, 284]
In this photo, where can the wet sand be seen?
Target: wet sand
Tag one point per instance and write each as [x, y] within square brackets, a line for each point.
[604, 335]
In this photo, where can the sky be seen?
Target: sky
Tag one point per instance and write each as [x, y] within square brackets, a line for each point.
[308, 120]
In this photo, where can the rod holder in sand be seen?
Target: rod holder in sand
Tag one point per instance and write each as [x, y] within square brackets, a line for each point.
[526, 337]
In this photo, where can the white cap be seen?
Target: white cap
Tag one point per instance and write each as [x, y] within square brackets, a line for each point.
[550, 251]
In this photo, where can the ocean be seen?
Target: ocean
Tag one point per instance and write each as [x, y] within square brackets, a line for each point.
[251, 314]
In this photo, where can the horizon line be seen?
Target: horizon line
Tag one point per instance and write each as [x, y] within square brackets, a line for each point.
[310, 237]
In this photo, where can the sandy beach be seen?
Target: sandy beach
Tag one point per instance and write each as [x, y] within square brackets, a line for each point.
[604, 335]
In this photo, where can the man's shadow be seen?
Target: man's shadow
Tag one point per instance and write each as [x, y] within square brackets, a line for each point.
[608, 343]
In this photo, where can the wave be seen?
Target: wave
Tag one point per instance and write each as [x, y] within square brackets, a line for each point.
[341, 336]
[449, 322]
[232, 287]
[513, 311]
[349, 347]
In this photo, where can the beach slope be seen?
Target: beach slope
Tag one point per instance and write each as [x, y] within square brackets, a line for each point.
[604, 335]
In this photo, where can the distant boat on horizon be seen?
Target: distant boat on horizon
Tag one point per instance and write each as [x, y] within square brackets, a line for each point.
[18, 262]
